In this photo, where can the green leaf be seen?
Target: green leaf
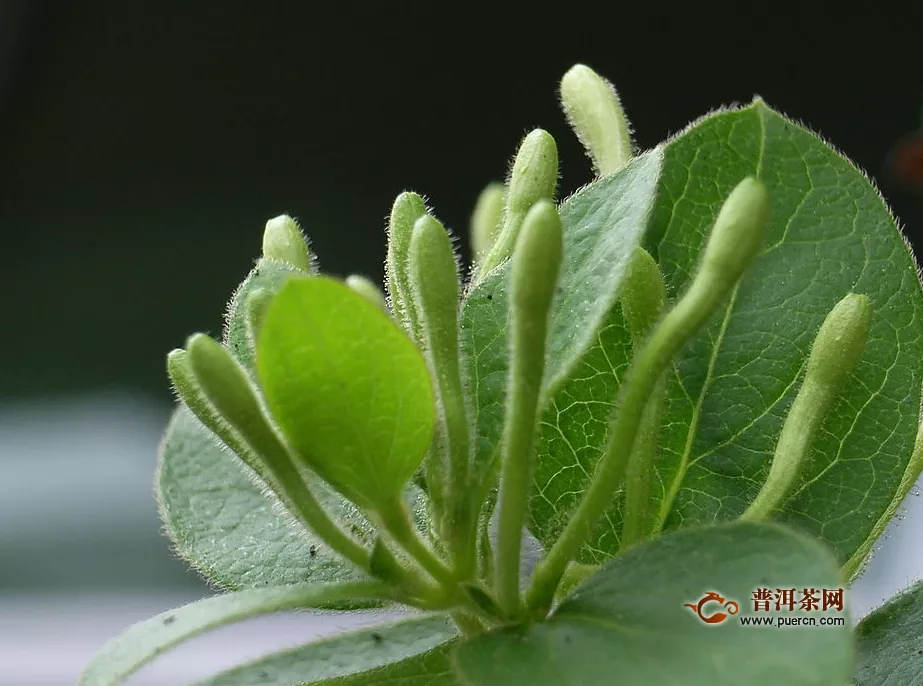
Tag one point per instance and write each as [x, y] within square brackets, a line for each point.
[431, 669]
[395, 648]
[890, 642]
[229, 529]
[602, 226]
[348, 387]
[628, 623]
[145, 640]
[829, 233]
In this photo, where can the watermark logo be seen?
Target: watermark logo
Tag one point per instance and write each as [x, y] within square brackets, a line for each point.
[713, 617]
[715, 608]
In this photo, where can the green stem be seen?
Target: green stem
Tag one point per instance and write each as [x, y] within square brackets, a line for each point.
[469, 626]
[644, 294]
[836, 351]
[639, 516]
[395, 519]
[801, 425]
[677, 327]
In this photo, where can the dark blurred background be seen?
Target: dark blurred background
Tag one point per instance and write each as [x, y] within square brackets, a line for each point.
[143, 145]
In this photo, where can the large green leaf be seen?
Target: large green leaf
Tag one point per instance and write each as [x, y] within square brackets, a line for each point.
[348, 387]
[225, 526]
[223, 523]
[390, 649]
[144, 641]
[830, 233]
[890, 642]
[602, 225]
[628, 623]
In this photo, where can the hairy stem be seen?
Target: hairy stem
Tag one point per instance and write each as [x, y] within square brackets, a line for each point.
[536, 260]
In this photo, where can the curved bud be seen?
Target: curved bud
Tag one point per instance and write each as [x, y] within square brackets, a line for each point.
[283, 241]
[737, 236]
[408, 207]
[193, 396]
[835, 353]
[643, 295]
[841, 340]
[533, 177]
[368, 290]
[486, 219]
[435, 288]
[595, 114]
[227, 387]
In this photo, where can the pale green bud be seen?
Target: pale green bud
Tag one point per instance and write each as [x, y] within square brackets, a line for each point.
[595, 114]
[408, 207]
[533, 177]
[486, 219]
[840, 341]
[283, 241]
[536, 261]
[643, 295]
[737, 236]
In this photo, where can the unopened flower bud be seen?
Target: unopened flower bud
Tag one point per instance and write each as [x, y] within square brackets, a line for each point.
[283, 241]
[595, 114]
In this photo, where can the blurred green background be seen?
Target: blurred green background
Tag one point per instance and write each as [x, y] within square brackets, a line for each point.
[143, 145]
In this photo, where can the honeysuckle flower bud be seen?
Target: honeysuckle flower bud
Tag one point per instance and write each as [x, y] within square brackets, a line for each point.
[408, 207]
[367, 289]
[836, 351]
[533, 177]
[536, 260]
[435, 287]
[486, 219]
[190, 391]
[595, 114]
[643, 295]
[840, 341]
[283, 241]
[228, 388]
[737, 236]
[533, 281]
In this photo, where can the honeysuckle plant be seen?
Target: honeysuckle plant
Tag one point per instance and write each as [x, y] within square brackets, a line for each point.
[629, 446]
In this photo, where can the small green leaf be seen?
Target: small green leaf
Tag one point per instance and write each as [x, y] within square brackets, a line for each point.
[890, 642]
[359, 655]
[349, 389]
[146, 640]
[629, 624]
